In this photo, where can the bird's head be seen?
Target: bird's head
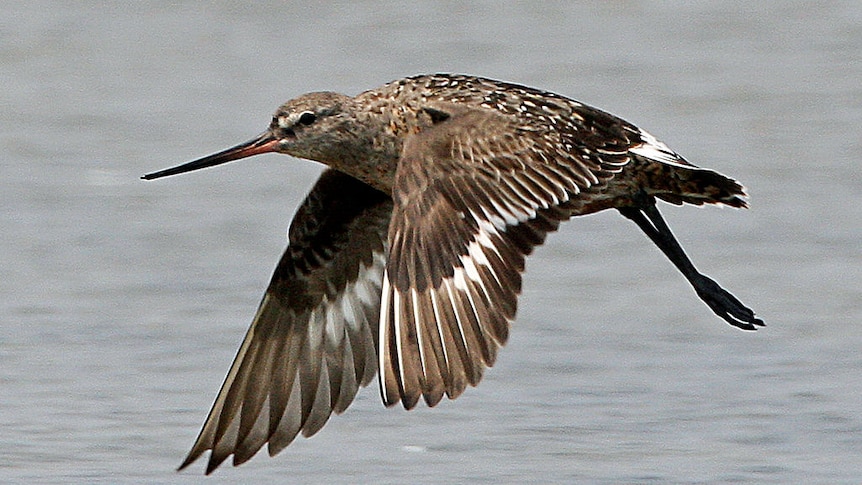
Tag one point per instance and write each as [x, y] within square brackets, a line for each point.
[309, 126]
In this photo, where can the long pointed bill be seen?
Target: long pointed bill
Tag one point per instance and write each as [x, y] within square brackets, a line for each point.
[265, 143]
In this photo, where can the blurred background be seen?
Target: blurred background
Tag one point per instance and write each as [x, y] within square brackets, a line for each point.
[123, 301]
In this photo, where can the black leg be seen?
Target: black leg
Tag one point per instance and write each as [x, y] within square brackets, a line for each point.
[720, 300]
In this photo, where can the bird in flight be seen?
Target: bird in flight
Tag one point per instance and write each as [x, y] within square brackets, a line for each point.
[405, 259]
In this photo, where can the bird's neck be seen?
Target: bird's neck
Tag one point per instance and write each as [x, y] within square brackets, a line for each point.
[368, 145]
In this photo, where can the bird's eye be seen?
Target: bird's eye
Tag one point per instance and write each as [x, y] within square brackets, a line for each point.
[307, 118]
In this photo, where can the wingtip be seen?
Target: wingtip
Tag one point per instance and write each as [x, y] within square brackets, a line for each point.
[389, 401]
[433, 398]
[212, 464]
[410, 402]
[190, 458]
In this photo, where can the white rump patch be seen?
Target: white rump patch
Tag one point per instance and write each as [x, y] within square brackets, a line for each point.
[654, 149]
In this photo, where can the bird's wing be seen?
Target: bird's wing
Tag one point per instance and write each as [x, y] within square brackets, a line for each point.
[473, 194]
[312, 342]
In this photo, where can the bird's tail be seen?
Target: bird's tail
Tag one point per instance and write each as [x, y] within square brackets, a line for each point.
[672, 178]
[688, 184]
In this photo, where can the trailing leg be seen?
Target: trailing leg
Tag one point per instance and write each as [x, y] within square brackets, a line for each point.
[722, 302]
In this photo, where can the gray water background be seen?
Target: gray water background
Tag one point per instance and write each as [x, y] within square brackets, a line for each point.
[124, 301]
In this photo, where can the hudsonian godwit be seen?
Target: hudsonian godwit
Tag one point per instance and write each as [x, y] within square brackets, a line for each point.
[407, 254]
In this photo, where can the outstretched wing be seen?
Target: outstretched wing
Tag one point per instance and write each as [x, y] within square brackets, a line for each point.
[312, 342]
[473, 194]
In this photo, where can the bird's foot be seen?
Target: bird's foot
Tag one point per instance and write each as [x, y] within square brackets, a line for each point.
[725, 304]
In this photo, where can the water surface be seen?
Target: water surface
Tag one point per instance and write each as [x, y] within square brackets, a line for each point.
[124, 301]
